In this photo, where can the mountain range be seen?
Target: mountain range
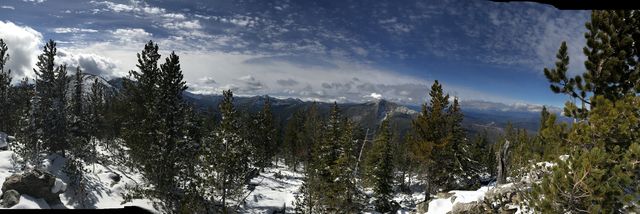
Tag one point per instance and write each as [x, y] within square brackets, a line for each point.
[478, 115]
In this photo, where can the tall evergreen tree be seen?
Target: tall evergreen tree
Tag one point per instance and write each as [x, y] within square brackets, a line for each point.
[330, 180]
[463, 167]
[294, 148]
[431, 138]
[50, 111]
[155, 127]
[78, 117]
[225, 155]
[379, 165]
[312, 132]
[79, 148]
[5, 86]
[30, 146]
[96, 104]
[600, 175]
[266, 142]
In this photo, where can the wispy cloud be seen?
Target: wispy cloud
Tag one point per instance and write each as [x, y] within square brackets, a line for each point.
[308, 49]
[74, 30]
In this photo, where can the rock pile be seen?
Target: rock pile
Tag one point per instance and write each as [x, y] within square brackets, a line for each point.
[36, 183]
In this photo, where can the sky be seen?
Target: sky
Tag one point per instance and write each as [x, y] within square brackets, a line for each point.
[344, 51]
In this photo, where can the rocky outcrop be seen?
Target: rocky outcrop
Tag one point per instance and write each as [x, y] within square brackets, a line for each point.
[422, 207]
[468, 208]
[502, 199]
[10, 198]
[36, 183]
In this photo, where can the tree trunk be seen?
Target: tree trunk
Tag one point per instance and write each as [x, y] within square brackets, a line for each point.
[427, 191]
[224, 199]
[503, 155]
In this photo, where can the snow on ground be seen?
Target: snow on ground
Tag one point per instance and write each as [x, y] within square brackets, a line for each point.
[58, 186]
[28, 202]
[6, 165]
[272, 193]
[444, 205]
[104, 193]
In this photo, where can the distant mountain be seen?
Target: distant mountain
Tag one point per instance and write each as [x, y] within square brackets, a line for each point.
[367, 115]
[492, 117]
[478, 115]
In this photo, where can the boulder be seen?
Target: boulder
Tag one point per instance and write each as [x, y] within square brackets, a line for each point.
[422, 207]
[36, 183]
[10, 198]
[395, 206]
[115, 177]
[442, 195]
[505, 198]
[468, 208]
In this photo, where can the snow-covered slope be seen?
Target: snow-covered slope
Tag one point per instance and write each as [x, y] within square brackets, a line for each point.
[273, 192]
[105, 193]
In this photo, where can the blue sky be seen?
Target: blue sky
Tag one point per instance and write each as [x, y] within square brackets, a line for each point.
[347, 51]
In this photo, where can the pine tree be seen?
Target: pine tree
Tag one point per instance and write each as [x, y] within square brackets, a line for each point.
[379, 168]
[79, 149]
[96, 105]
[482, 151]
[266, 142]
[345, 191]
[78, 118]
[330, 180]
[29, 145]
[293, 145]
[225, 155]
[544, 116]
[5, 86]
[403, 163]
[313, 126]
[601, 173]
[611, 62]
[598, 176]
[431, 141]
[463, 167]
[155, 127]
[50, 111]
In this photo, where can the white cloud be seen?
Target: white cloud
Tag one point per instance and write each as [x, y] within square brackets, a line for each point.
[115, 7]
[74, 30]
[176, 23]
[7, 7]
[89, 63]
[185, 25]
[34, 1]
[515, 106]
[24, 46]
[375, 96]
[129, 36]
[256, 74]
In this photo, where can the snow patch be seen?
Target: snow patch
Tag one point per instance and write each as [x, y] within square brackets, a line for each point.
[28, 202]
[272, 193]
[564, 157]
[59, 186]
[444, 205]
